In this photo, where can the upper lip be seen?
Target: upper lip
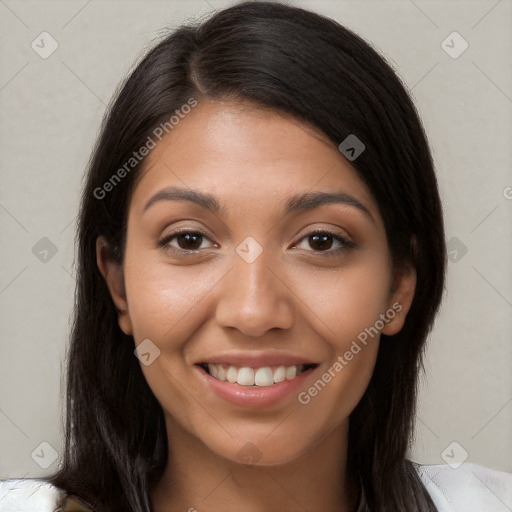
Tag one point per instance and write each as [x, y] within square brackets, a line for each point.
[256, 359]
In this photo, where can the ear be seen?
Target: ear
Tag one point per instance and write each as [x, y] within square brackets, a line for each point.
[401, 296]
[113, 274]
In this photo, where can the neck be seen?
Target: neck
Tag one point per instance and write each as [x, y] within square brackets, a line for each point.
[197, 479]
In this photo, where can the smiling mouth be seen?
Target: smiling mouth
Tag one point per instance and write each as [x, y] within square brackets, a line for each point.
[262, 376]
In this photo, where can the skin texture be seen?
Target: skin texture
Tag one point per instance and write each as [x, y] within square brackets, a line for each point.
[293, 298]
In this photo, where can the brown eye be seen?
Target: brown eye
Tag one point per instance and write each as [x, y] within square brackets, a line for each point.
[189, 241]
[185, 241]
[320, 242]
[326, 243]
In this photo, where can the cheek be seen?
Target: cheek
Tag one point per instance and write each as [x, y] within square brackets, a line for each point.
[346, 311]
[346, 302]
[163, 298]
[167, 305]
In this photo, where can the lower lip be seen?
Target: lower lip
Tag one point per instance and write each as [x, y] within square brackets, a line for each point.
[254, 396]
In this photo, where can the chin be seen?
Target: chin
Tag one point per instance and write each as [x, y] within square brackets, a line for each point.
[262, 451]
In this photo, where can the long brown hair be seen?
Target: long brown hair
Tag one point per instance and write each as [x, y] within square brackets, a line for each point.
[301, 63]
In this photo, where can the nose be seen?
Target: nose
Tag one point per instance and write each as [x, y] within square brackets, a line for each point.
[254, 298]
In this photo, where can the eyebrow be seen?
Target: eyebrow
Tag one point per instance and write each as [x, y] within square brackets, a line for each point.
[294, 204]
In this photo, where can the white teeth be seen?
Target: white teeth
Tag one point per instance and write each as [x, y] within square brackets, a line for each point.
[280, 374]
[291, 372]
[264, 377]
[231, 375]
[246, 376]
[221, 373]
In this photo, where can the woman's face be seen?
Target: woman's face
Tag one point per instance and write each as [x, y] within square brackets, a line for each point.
[252, 249]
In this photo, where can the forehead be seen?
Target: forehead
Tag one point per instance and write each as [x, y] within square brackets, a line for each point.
[241, 152]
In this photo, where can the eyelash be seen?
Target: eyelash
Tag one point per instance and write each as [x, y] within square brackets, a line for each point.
[345, 244]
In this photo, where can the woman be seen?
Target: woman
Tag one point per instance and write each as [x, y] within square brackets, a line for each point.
[261, 257]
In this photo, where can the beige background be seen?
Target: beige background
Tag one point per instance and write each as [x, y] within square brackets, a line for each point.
[50, 114]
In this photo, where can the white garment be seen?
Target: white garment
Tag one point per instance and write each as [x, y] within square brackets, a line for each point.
[469, 488]
[28, 495]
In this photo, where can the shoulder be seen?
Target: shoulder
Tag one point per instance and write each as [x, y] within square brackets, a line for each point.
[28, 495]
[469, 488]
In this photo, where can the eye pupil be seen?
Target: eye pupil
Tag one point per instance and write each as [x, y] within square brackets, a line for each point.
[320, 242]
[187, 238]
